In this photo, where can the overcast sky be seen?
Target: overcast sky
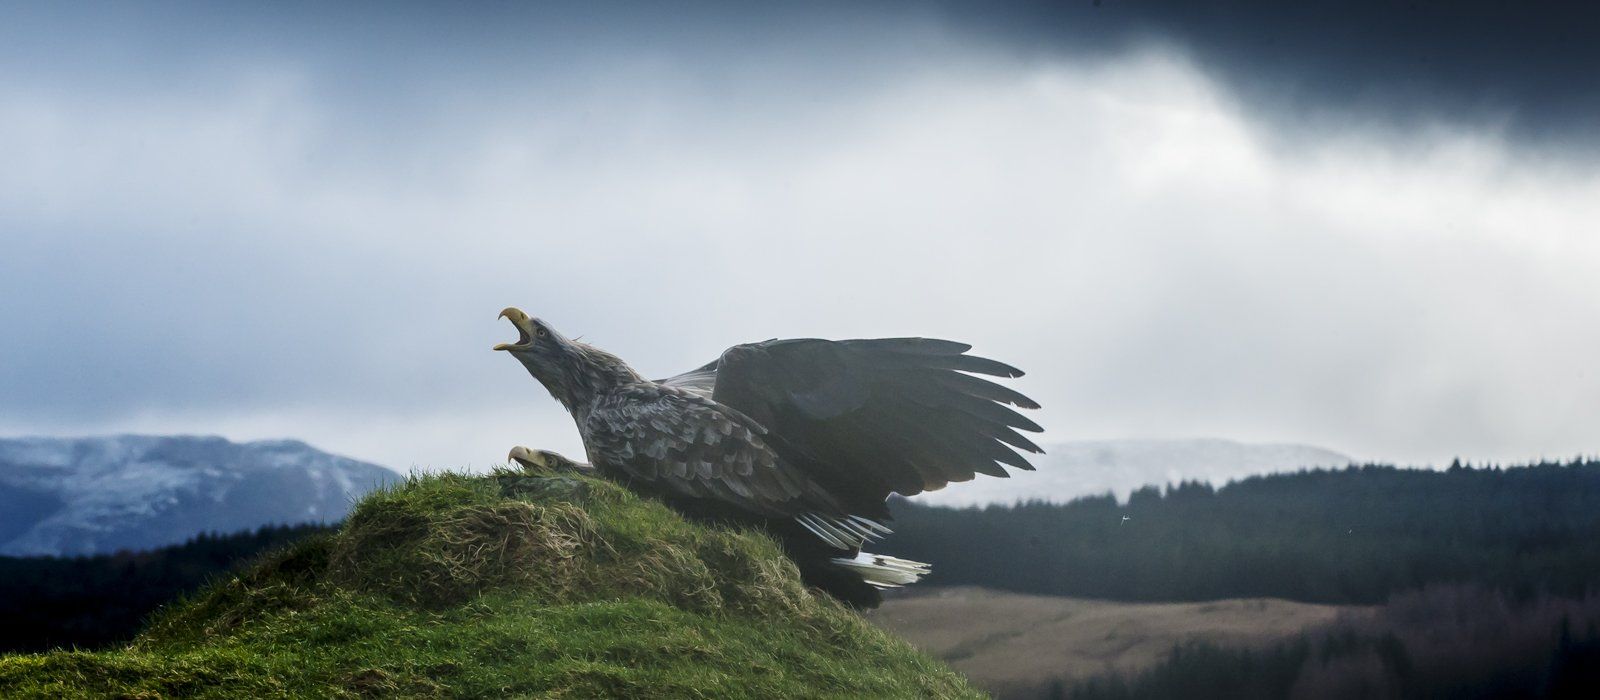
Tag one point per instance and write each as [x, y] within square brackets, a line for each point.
[1372, 232]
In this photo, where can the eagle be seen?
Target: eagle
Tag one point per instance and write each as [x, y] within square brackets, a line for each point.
[806, 438]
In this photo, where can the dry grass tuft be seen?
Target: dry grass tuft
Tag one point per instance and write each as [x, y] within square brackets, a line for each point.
[456, 554]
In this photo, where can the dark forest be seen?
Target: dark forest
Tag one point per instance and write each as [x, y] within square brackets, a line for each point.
[1355, 535]
[92, 602]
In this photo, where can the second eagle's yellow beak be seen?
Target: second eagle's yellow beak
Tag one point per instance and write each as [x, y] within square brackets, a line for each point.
[533, 460]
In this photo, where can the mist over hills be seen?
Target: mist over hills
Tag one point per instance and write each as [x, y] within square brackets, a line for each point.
[1073, 469]
[75, 496]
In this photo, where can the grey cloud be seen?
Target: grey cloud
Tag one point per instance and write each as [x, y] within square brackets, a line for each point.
[263, 229]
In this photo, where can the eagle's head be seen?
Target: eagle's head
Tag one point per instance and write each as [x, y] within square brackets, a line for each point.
[570, 370]
[542, 350]
[541, 460]
[549, 356]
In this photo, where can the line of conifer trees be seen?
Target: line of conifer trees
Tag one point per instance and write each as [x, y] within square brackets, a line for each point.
[90, 602]
[1354, 535]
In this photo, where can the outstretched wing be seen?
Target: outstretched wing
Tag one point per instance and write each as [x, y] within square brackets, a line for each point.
[679, 444]
[869, 417]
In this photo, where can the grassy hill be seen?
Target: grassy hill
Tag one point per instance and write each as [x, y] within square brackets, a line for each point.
[509, 584]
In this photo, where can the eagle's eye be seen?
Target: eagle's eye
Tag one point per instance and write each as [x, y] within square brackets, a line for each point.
[541, 332]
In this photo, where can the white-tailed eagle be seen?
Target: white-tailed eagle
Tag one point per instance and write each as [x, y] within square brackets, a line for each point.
[804, 437]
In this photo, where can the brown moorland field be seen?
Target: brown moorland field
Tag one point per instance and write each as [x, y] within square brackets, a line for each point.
[1016, 645]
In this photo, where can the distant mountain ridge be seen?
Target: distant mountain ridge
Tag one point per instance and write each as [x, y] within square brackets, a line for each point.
[71, 496]
[1070, 470]
[96, 495]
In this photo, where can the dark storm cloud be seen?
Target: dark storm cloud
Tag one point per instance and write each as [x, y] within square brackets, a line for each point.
[1530, 66]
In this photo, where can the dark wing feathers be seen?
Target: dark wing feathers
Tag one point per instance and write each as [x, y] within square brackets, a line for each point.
[982, 410]
[932, 353]
[868, 417]
[981, 388]
[902, 346]
[975, 364]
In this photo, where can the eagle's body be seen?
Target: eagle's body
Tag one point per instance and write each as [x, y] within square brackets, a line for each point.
[804, 437]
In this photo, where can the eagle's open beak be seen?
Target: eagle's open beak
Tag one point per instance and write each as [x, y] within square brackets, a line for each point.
[524, 329]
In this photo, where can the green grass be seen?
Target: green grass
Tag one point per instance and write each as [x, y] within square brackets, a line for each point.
[505, 585]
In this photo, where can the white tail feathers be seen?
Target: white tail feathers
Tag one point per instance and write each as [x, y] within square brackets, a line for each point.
[884, 571]
[848, 532]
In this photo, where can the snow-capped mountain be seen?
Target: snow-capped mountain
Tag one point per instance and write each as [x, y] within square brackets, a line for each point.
[102, 494]
[1092, 467]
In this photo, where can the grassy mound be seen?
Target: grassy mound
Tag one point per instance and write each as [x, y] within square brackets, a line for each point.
[510, 584]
